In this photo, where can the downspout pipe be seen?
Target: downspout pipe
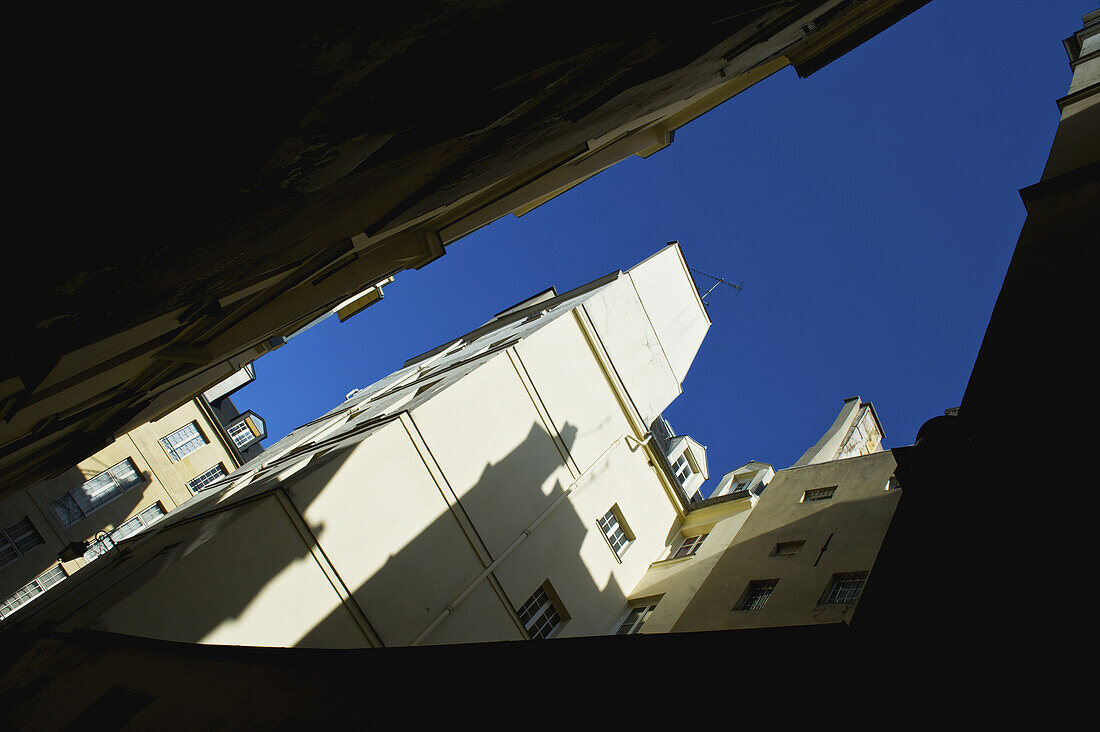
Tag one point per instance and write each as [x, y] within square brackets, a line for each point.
[569, 490]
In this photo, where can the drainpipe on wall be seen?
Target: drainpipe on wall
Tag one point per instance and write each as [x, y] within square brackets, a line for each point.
[566, 492]
[223, 434]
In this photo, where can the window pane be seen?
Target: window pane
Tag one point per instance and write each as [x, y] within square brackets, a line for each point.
[152, 514]
[183, 441]
[539, 615]
[125, 474]
[32, 589]
[846, 587]
[758, 593]
[24, 536]
[98, 491]
[51, 577]
[66, 510]
[609, 525]
[532, 606]
[241, 433]
[544, 625]
[206, 478]
[98, 548]
[7, 551]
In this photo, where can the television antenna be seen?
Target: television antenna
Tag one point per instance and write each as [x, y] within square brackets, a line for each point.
[717, 281]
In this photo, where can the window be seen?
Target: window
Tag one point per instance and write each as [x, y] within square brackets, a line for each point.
[96, 492]
[615, 530]
[32, 589]
[634, 620]
[819, 494]
[248, 429]
[844, 588]
[689, 546]
[539, 615]
[241, 433]
[682, 469]
[127, 529]
[183, 442]
[17, 540]
[757, 594]
[787, 548]
[206, 477]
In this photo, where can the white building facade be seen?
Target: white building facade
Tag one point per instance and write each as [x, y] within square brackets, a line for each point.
[502, 486]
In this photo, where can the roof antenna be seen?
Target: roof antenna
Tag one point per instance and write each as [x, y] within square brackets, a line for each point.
[718, 281]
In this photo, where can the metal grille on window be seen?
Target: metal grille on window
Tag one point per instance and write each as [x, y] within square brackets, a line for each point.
[758, 593]
[95, 492]
[32, 589]
[183, 442]
[845, 587]
[690, 545]
[609, 524]
[819, 494]
[634, 621]
[17, 539]
[539, 616]
[205, 478]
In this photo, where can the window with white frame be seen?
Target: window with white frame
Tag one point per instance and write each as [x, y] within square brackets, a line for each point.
[757, 594]
[205, 478]
[615, 530]
[148, 516]
[96, 492]
[242, 433]
[682, 469]
[183, 442]
[539, 615]
[637, 616]
[689, 546]
[18, 539]
[32, 589]
[844, 588]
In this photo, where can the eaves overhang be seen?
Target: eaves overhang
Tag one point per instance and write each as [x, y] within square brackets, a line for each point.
[843, 28]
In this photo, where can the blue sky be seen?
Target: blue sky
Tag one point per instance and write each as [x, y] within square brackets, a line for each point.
[869, 210]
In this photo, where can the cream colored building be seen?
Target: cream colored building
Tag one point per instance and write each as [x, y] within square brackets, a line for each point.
[787, 548]
[56, 527]
[502, 486]
[517, 482]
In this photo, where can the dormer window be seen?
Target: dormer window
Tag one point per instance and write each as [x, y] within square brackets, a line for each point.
[682, 469]
[248, 428]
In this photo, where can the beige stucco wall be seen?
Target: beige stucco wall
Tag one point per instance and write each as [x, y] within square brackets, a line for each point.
[385, 523]
[675, 581]
[507, 469]
[165, 482]
[37, 560]
[252, 582]
[673, 306]
[434, 507]
[857, 518]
